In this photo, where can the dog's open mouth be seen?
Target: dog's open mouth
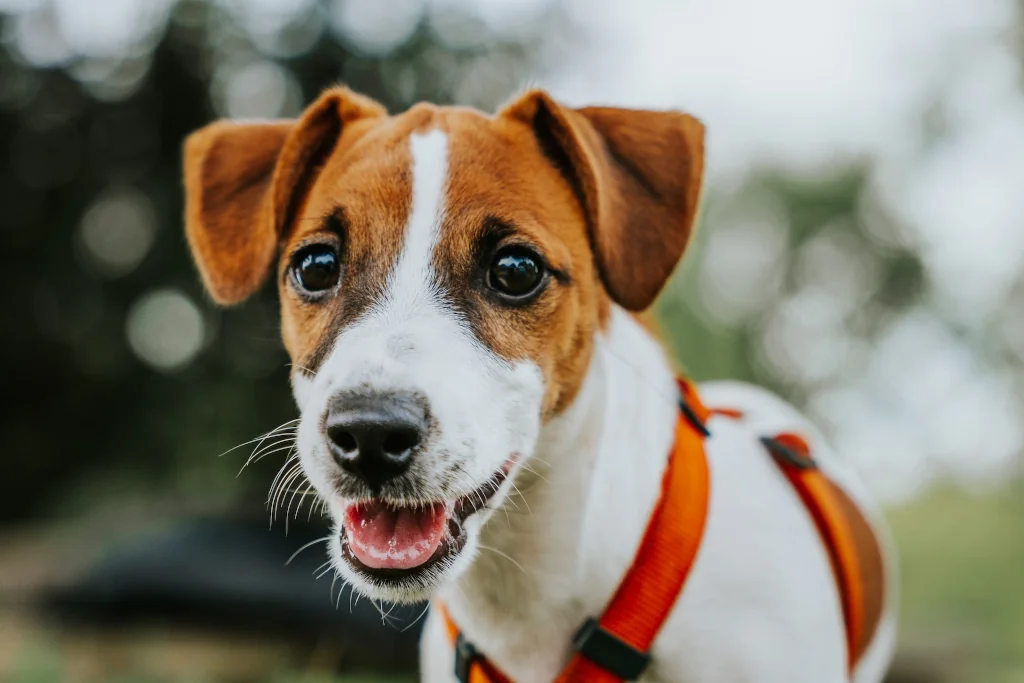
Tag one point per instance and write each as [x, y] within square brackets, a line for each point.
[387, 540]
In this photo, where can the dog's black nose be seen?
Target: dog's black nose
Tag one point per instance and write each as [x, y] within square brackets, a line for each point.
[373, 436]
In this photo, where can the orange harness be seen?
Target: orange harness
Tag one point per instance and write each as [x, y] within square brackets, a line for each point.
[617, 646]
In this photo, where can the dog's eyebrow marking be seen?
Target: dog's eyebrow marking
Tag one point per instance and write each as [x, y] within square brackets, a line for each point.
[412, 276]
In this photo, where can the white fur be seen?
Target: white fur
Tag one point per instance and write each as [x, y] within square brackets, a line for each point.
[761, 604]
[484, 409]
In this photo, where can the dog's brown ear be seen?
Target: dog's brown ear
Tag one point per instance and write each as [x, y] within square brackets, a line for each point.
[637, 175]
[244, 181]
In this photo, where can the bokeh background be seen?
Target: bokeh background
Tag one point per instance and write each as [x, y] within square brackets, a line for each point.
[861, 251]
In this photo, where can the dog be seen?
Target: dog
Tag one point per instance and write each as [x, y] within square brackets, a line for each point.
[488, 419]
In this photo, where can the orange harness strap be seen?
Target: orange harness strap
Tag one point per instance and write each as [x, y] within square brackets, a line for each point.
[824, 503]
[649, 590]
[615, 648]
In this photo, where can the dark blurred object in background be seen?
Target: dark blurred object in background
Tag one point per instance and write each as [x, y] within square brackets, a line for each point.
[231, 576]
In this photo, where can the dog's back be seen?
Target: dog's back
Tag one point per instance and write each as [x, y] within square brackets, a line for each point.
[767, 600]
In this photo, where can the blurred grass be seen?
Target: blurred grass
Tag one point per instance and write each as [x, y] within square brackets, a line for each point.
[962, 560]
[962, 595]
[45, 663]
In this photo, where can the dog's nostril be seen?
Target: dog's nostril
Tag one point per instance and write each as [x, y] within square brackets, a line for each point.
[344, 440]
[398, 442]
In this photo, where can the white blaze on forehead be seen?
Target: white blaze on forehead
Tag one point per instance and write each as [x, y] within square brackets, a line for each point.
[483, 408]
[412, 274]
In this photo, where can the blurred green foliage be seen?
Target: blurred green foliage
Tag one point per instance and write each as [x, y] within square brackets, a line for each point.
[88, 419]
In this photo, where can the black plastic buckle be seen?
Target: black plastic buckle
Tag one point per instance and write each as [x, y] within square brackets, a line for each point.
[788, 455]
[609, 652]
[692, 418]
[465, 655]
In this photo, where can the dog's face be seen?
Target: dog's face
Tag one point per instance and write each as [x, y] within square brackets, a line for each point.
[442, 277]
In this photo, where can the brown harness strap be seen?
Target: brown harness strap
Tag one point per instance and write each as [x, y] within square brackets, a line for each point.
[852, 547]
[616, 647]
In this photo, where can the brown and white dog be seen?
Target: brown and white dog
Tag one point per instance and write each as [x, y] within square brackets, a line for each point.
[457, 294]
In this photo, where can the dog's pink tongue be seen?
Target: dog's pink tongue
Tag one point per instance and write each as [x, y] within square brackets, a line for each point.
[383, 537]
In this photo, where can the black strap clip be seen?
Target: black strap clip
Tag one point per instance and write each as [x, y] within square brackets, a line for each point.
[787, 455]
[609, 652]
[692, 418]
[465, 655]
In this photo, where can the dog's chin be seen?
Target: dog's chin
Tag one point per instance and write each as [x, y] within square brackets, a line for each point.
[402, 552]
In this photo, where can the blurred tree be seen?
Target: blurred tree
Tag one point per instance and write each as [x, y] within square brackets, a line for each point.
[117, 373]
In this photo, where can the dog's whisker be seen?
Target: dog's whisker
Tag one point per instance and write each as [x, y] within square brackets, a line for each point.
[272, 494]
[280, 446]
[537, 458]
[260, 441]
[531, 470]
[282, 427]
[423, 613]
[274, 442]
[301, 492]
[310, 491]
[291, 500]
[306, 370]
[520, 494]
[270, 440]
[307, 545]
[285, 483]
[301, 497]
[284, 476]
[289, 462]
[271, 448]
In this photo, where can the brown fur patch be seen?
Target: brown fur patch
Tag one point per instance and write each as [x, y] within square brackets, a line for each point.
[244, 184]
[368, 183]
[605, 196]
[638, 177]
[501, 191]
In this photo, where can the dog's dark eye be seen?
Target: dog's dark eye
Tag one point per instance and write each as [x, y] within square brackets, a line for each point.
[315, 268]
[515, 273]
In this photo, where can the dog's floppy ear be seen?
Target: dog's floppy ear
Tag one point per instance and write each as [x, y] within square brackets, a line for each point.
[244, 181]
[637, 175]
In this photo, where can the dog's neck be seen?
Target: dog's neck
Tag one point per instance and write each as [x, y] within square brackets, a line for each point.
[572, 529]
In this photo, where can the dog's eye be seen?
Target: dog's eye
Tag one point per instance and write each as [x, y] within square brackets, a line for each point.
[516, 273]
[315, 268]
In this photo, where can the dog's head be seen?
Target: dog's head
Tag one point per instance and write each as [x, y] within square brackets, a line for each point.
[442, 276]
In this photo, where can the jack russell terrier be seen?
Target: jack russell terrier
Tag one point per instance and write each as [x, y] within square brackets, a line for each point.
[493, 428]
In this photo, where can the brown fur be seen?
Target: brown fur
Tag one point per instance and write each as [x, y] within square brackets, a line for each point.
[638, 176]
[606, 196]
[244, 181]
